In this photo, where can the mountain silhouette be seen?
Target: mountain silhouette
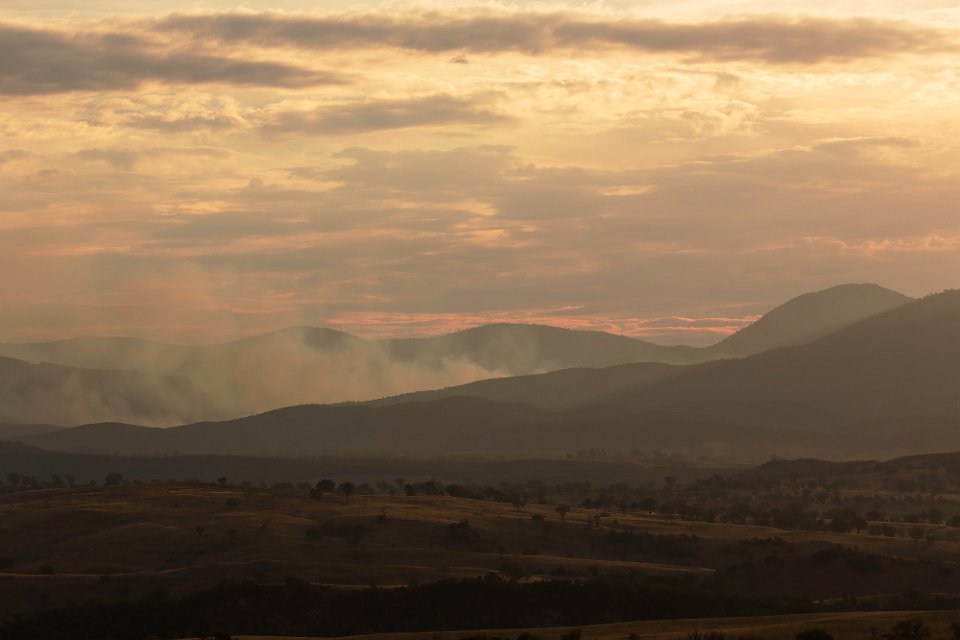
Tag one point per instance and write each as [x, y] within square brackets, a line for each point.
[302, 365]
[14, 431]
[898, 360]
[432, 428]
[808, 317]
[546, 367]
[518, 349]
[801, 320]
[891, 379]
[887, 383]
[556, 390]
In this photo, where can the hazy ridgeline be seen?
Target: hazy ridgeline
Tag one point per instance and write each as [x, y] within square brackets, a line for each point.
[85, 380]
[879, 386]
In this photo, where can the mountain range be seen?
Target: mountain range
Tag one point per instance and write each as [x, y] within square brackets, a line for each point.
[95, 379]
[886, 383]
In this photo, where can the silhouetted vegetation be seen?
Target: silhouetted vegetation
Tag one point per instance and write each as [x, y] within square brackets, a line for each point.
[299, 609]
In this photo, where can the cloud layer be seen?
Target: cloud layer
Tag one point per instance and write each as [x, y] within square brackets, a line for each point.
[769, 39]
[406, 171]
[42, 61]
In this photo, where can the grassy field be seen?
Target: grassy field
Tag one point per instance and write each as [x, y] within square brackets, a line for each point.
[116, 543]
[119, 542]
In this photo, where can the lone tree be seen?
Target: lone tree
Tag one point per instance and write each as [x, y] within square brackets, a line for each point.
[222, 481]
[649, 505]
[563, 510]
[113, 479]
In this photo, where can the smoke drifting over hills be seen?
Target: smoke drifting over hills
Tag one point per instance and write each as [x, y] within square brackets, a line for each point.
[149, 383]
[885, 383]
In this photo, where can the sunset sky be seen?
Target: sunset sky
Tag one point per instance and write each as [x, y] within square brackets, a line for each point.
[194, 171]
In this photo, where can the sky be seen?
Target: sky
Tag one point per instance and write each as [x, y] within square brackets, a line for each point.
[196, 171]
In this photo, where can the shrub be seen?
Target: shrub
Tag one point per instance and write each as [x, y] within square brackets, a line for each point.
[911, 629]
[461, 532]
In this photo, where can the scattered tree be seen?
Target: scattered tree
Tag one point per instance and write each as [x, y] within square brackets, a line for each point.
[347, 489]
[323, 486]
[911, 629]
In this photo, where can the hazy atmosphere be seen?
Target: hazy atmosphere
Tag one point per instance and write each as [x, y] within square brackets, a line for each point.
[199, 171]
[479, 320]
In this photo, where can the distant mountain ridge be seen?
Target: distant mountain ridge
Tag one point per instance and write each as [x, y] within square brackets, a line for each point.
[461, 424]
[886, 384]
[798, 321]
[911, 352]
[303, 365]
[555, 391]
[806, 318]
[520, 349]
[515, 349]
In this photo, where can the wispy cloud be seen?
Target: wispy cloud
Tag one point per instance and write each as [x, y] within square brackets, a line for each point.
[181, 124]
[769, 39]
[379, 115]
[126, 159]
[12, 155]
[45, 61]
